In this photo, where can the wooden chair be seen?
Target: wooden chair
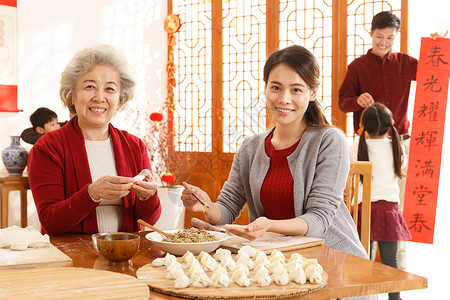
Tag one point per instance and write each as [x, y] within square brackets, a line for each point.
[351, 195]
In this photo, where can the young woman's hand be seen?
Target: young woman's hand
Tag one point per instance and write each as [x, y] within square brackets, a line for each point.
[252, 231]
[191, 195]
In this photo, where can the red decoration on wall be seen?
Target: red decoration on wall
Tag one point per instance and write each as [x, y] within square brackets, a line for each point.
[8, 56]
[427, 134]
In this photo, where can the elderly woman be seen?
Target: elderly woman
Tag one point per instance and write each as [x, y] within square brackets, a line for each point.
[84, 176]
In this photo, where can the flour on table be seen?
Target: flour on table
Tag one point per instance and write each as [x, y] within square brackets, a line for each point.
[18, 238]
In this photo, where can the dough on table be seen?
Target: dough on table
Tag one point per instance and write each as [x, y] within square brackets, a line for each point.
[18, 238]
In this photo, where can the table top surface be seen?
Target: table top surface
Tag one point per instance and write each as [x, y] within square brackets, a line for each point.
[348, 275]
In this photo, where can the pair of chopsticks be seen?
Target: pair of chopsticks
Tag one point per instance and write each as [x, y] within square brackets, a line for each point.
[206, 206]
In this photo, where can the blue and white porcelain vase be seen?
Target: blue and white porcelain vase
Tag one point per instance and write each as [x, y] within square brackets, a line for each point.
[15, 157]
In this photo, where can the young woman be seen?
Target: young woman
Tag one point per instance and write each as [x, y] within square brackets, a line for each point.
[387, 225]
[292, 177]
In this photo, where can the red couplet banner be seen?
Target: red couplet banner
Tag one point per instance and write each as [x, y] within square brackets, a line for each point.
[8, 56]
[427, 135]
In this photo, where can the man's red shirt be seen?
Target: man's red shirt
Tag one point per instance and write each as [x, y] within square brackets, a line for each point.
[387, 80]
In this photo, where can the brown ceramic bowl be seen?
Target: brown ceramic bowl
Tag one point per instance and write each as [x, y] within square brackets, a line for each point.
[116, 247]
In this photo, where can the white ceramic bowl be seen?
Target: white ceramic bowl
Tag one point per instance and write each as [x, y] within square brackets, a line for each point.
[181, 248]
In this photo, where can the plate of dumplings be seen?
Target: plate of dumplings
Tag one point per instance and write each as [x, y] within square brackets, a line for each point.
[250, 273]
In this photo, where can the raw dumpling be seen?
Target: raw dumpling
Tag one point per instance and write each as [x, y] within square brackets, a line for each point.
[201, 280]
[174, 273]
[312, 261]
[248, 249]
[243, 268]
[195, 270]
[261, 259]
[182, 281]
[195, 264]
[276, 266]
[239, 276]
[188, 257]
[313, 274]
[245, 260]
[174, 264]
[209, 263]
[292, 266]
[228, 263]
[262, 277]
[259, 267]
[169, 258]
[297, 275]
[281, 277]
[276, 254]
[220, 253]
[202, 255]
[297, 257]
[158, 262]
[219, 278]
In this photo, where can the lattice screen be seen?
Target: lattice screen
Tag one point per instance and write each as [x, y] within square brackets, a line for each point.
[192, 113]
[244, 55]
[309, 24]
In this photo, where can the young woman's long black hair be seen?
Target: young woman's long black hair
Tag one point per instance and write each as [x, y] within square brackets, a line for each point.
[377, 120]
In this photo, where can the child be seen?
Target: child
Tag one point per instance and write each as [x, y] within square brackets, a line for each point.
[43, 121]
[386, 154]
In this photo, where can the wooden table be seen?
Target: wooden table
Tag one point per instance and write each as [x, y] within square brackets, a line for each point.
[13, 183]
[348, 275]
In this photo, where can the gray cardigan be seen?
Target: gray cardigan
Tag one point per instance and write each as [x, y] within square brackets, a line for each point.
[319, 166]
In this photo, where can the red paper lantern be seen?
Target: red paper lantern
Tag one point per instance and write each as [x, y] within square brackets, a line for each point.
[172, 23]
[156, 117]
[168, 178]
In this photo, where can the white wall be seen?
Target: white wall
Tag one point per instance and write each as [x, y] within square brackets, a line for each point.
[51, 31]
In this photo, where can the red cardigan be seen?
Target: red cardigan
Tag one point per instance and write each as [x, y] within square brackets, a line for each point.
[59, 174]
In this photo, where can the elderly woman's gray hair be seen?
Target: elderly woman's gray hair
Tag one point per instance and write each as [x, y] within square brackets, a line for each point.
[84, 61]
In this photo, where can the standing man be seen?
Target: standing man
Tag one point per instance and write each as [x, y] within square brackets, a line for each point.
[380, 76]
[385, 77]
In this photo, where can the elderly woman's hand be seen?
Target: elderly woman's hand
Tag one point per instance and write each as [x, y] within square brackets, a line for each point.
[146, 187]
[110, 187]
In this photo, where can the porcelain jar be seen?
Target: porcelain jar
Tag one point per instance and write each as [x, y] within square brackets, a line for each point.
[15, 157]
